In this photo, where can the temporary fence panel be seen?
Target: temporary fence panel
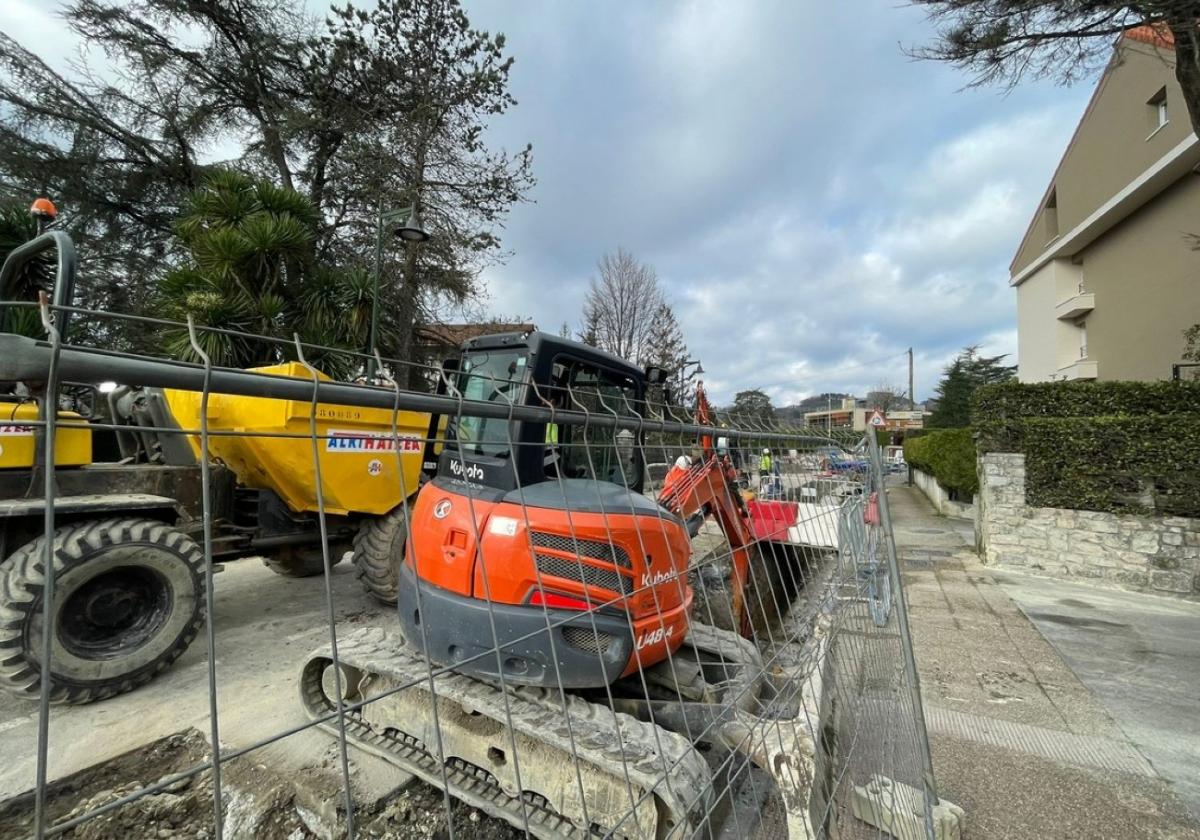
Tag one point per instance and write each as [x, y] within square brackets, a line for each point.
[614, 616]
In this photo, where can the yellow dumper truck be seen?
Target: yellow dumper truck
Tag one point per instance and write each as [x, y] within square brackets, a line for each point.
[128, 508]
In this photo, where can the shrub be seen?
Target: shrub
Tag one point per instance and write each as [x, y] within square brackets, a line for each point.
[1120, 447]
[1143, 465]
[1017, 401]
[948, 455]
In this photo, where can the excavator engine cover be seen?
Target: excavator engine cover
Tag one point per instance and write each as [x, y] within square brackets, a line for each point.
[569, 581]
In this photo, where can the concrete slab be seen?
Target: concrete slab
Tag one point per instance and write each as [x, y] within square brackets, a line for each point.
[1139, 654]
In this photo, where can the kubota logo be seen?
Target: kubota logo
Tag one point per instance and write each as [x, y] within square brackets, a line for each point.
[474, 472]
[442, 509]
[657, 578]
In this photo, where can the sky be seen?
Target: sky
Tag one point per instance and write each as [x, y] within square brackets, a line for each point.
[814, 201]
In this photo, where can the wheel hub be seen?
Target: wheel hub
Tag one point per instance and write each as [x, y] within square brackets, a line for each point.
[114, 612]
[111, 607]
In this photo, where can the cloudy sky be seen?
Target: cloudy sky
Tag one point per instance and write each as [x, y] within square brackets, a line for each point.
[814, 202]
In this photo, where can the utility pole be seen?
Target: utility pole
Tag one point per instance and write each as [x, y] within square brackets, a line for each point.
[828, 412]
[912, 395]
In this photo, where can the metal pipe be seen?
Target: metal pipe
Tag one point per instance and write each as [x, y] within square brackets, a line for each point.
[24, 359]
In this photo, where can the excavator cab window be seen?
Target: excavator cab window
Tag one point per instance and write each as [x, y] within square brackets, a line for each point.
[596, 451]
[489, 376]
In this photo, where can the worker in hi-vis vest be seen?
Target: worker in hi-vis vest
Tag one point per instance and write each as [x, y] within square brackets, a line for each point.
[553, 454]
[764, 463]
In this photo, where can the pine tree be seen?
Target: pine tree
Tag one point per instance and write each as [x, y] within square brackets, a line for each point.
[962, 376]
[589, 330]
[665, 347]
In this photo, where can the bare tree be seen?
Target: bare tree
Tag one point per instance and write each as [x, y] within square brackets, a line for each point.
[1002, 40]
[621, 304]
[886, 397]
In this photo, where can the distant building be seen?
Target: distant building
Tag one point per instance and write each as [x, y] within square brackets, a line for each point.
[854, 415]
[1106, 280]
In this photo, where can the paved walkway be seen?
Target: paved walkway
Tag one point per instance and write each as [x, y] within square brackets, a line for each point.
[1018, 739]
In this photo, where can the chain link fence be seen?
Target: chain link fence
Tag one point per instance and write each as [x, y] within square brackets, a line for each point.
[586, 611]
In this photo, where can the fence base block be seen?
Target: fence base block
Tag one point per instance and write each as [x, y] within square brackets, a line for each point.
[899, 809]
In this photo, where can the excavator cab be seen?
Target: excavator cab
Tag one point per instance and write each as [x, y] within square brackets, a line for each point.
[533, 554]
[538, 369]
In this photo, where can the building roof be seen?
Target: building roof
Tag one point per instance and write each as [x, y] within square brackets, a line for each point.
[453, 335]
[1155, 36]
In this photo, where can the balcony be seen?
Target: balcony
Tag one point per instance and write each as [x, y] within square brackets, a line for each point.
[1083, 369]
[1075, 307]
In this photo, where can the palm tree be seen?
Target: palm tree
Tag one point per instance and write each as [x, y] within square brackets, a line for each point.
[250, 268]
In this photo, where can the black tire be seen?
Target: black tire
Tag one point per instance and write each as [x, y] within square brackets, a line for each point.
[379, 551]
[128, 600]
[302, 560]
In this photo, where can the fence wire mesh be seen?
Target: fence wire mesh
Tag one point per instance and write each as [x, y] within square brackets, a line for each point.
[588, 609]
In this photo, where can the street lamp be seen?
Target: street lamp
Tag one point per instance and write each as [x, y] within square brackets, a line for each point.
[410, 230]
[699, 371]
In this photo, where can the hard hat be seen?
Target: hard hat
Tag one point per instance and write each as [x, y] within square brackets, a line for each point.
[766, 451]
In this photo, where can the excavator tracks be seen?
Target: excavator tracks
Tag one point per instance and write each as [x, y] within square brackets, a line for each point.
[552, 764]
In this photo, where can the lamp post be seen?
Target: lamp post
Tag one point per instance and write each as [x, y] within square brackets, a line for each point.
[409, 230]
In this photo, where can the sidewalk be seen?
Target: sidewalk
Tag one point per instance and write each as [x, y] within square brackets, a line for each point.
[1018, 740]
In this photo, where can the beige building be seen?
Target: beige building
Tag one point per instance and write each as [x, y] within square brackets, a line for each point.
[1106, 277]
[853, 415]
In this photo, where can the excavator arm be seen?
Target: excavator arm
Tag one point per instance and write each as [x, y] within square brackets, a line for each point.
[709, 488]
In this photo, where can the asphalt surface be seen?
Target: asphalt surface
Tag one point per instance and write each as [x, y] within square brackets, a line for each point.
[1140, 656]
[1028, 747]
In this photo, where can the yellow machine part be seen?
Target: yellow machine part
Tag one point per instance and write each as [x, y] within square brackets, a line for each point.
[360, 470]
[72, 439]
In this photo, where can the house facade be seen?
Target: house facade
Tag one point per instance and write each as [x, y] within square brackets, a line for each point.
[1107, 275]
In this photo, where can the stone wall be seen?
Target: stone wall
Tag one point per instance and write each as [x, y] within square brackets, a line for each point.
[1140, 553]
[937, 494]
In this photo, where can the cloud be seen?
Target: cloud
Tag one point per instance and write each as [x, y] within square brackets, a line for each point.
[814, 202]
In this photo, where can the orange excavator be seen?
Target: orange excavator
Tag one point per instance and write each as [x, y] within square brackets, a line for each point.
[535, 560]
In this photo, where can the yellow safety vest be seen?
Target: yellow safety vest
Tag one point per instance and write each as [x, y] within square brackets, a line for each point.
[552, 434]
[765, 463]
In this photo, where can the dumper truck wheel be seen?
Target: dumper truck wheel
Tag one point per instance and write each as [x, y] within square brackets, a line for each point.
[379, 551]
[303, 561]
[128, 600]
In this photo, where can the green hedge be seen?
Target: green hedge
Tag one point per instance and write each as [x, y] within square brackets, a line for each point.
[1121, 447]
[948, 455]
[1016, 401]
[1119, 464]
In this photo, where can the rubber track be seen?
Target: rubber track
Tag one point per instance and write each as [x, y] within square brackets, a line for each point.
[654, 758]
[21, 581]
[373, 552]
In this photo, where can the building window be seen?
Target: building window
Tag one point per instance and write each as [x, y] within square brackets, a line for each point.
[1050, 215]
[1156, 110]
